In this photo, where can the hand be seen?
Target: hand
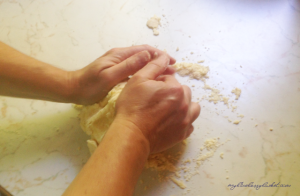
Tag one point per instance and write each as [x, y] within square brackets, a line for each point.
[157, 106]
[92, 83]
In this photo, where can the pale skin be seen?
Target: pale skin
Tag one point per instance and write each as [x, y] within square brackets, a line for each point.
[154, 112]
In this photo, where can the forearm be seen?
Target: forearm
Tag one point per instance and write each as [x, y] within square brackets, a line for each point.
[26, 77]
[115, 166]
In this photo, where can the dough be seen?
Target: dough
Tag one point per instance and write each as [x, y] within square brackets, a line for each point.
[153, 24]
[95, 119]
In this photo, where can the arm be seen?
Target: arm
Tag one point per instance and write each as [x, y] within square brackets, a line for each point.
[115, 166]
[26, 77]
[23, 76]
[153, 113]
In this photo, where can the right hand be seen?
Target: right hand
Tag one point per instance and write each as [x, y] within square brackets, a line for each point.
[157, 106]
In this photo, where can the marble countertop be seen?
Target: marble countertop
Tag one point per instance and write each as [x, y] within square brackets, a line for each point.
[253, 45]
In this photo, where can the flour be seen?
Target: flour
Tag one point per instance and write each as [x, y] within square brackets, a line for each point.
[153, 24]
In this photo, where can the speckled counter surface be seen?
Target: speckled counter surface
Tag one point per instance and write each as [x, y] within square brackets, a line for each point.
[253, 45]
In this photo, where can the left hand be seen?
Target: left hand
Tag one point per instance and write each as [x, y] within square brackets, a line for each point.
[92, 83]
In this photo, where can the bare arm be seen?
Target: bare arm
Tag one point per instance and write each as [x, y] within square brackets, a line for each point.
[115, 166]
[25, 77]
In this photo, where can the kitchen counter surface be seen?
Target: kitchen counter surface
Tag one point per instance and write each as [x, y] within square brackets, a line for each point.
[252, 45]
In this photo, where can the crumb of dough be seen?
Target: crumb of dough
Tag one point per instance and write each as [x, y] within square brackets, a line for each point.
[227, 177]
[153, 24]
[222, 155]
[177, 49]
[161, 162]
[194, 70]
[236, 122]
[77, 107]
[202, 61]
[92, 145]
[225, 100]
[178, 182]
[233, 108]
[241, 115]
[271, 129]
[211, 146]
[229, 120]
[237, 93]
[215, 95]
[256, 125]
[187, 161]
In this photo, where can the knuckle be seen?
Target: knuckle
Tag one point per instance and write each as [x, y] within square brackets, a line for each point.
[157, 64]
[146, 46]
[185, 123]
[184, 109]
[113, 51]
[177, 89]
[188, 89]
[136, 77]
[106, 76]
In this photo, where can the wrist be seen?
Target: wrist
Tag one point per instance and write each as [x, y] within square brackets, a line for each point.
[132, 133]
[71, 92]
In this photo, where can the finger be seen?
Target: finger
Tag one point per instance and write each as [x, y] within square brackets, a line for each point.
[168, 79]
[187, 93]
[169, 71]
[189, 131]
[195, 110]
[129, 66]
[124, 53]
[154, 68]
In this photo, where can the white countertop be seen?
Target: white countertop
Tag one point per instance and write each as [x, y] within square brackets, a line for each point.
[253, 45]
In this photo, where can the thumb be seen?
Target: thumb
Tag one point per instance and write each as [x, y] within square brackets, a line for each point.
[154, 68]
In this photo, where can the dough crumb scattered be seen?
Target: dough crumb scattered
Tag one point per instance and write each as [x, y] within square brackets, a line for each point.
[194, 70]
[178, 182]
[77, 107]
[177, 49]
[241, 116]
[236, 122]
[222, 155]
[271, 129]
[237, 93]
[153, 24]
